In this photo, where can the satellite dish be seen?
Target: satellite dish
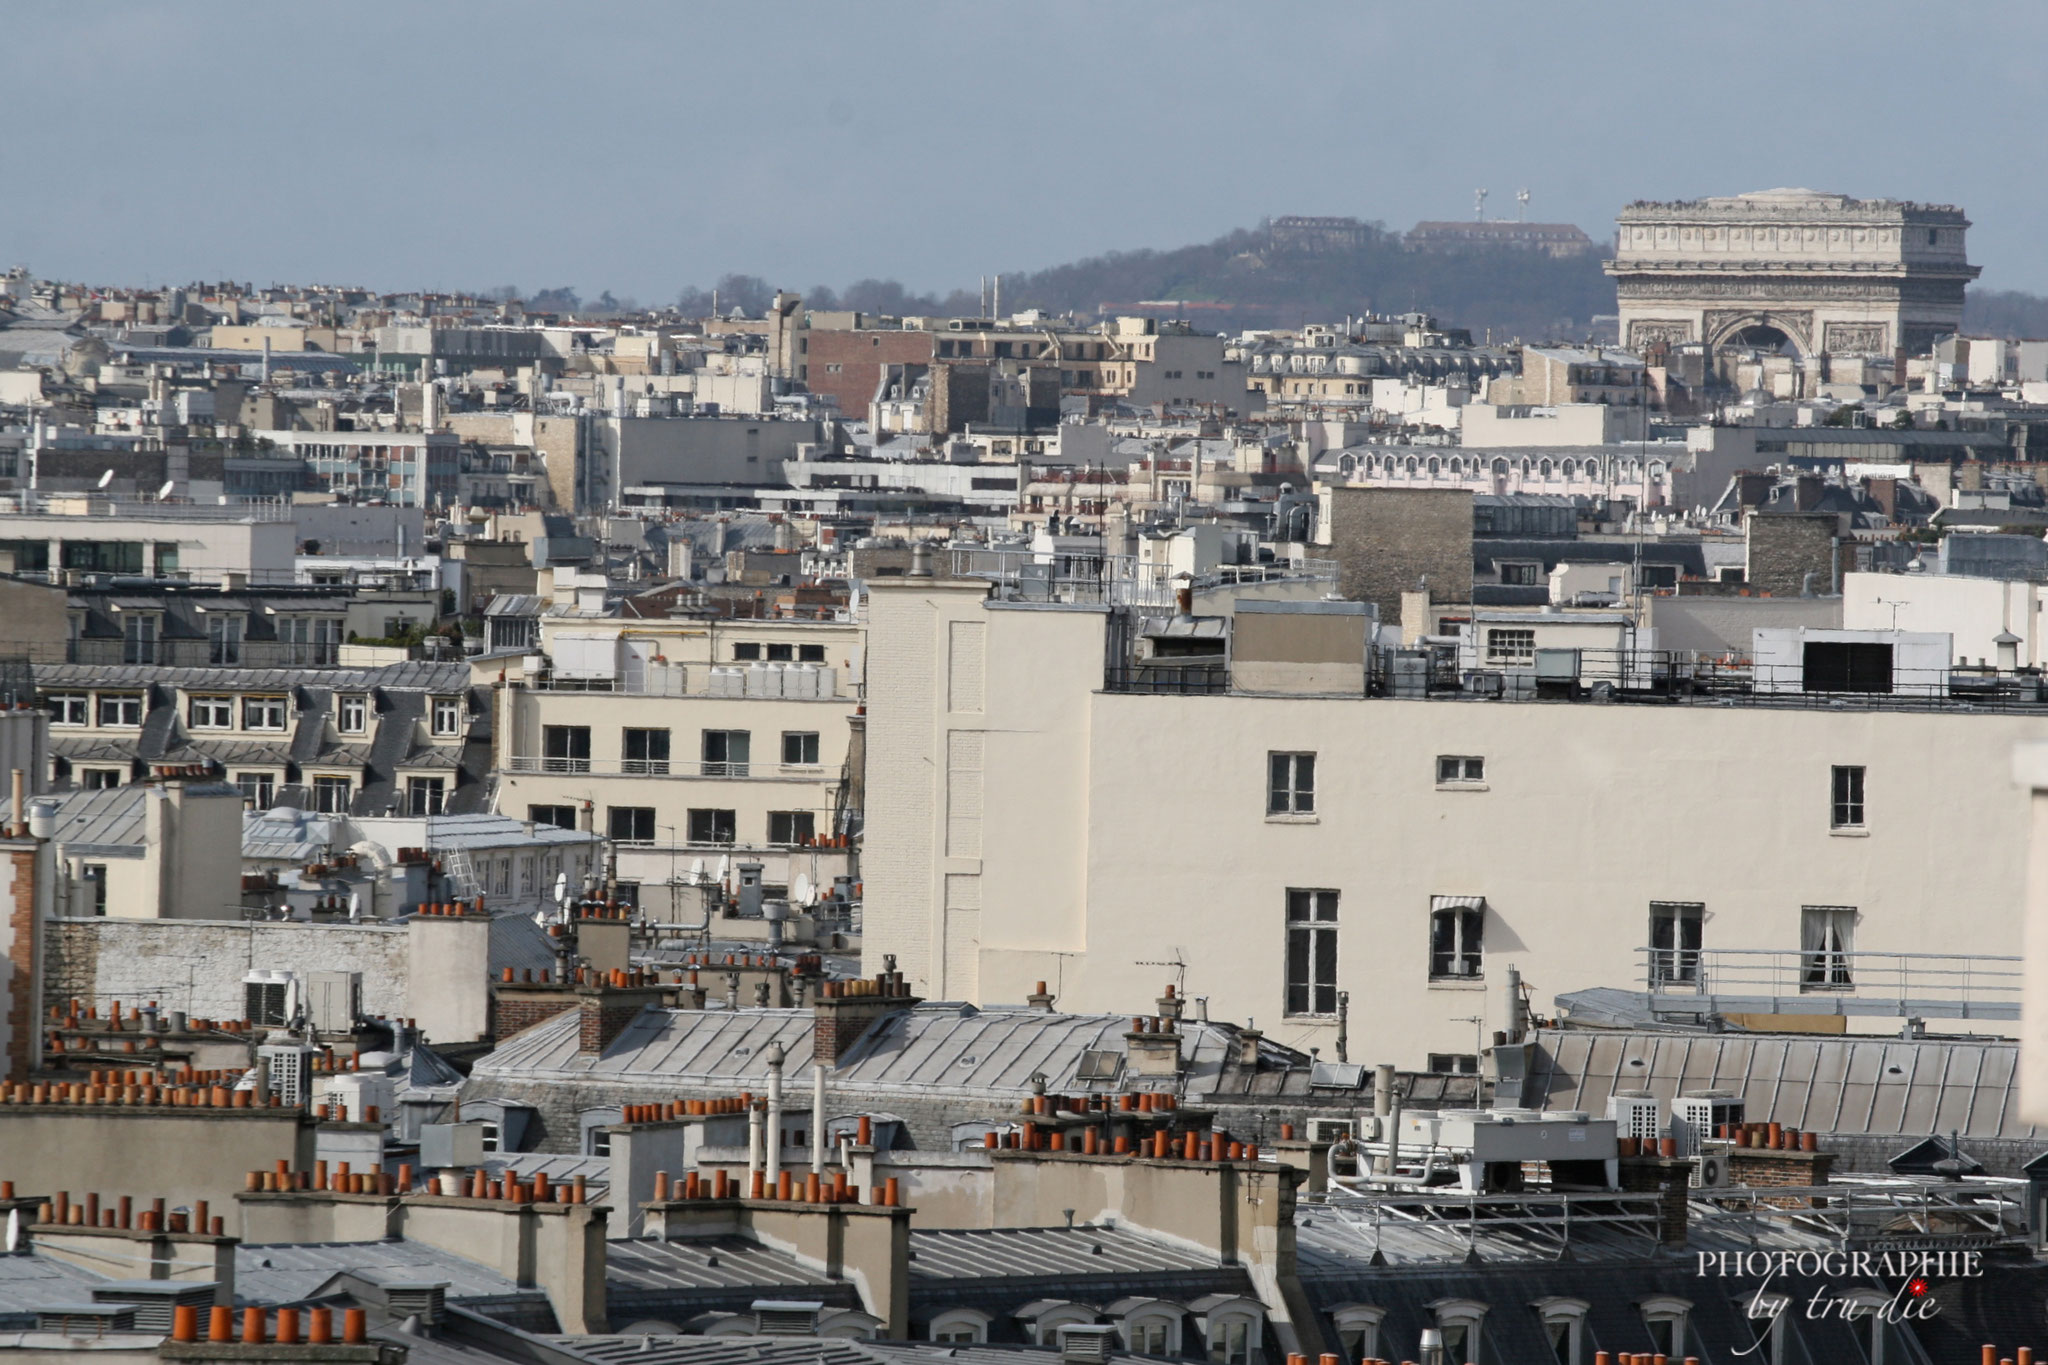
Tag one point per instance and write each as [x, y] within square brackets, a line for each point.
[164, 494]
[540, 917]
[800, 892]
[106, 478]
[13, 1230]
[696, 871]
[724, 868]
[561, 888]
[355, 905]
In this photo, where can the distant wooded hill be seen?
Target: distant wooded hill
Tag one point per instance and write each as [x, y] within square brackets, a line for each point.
[1245, 280]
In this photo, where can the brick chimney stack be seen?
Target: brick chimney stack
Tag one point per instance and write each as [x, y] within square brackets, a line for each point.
[845, 1010]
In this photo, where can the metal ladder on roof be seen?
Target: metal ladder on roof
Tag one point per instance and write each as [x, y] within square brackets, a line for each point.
[460, 874]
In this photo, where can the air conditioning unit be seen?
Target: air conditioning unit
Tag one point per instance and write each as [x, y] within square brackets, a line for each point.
[1698, 1116]
[1710, 1171]
[1330, 1130]
[1635, 1114]
[267, 998]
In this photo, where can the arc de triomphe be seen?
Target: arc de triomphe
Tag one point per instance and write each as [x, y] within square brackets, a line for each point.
[1825, 272]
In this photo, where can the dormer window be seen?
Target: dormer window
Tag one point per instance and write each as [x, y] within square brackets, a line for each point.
[223, 639]
[263, 713]
[447, 717]
[352, 715]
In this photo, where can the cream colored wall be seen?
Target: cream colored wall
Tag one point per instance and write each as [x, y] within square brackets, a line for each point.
[768, 787]
[1973, 610]
[1120, 830]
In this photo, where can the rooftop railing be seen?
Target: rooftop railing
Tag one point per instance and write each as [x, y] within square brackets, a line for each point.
[1822, 980]
[27, 503]
[1079, 577]
[664, 767]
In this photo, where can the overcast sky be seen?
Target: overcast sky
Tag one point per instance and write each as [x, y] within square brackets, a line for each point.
[642, 148]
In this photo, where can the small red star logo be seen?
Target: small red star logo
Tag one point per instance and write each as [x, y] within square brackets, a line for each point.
[1917, 1287]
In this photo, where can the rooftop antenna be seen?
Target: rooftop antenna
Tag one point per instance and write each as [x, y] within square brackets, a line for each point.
[1479, 206]
[1521, 206]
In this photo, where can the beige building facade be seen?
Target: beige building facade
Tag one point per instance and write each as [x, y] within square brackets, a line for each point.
[687, 741]
[1824, 272]
[1024, 824]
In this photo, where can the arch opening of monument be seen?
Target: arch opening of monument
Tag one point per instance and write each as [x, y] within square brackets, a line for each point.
[1764, 337]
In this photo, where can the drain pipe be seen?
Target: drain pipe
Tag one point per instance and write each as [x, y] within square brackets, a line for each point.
[753, 1145]
[817, 1117]
[1382, 1106]
[774, 1168]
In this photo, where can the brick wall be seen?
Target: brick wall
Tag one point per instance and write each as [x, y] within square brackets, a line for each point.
[1783, 549]
[516, 1011]
[18, 963]
[1768, 1168]
[1387, 540]
[860, 357]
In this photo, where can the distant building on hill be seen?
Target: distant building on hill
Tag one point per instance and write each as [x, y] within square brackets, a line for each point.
[1554, 239]
[1317, 236]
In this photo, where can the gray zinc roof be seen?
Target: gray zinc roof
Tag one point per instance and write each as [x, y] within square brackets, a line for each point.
[292, 1272]
[936, 1047]
[1879, 1086]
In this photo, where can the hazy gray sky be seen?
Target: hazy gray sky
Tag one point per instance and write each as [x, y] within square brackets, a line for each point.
[644, 147]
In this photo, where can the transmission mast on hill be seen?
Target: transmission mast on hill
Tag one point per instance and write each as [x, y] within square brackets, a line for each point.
[1521, 206]
[1479, 206]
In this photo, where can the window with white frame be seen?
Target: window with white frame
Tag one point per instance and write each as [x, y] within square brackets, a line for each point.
[1311, 951]
[1665, 1315]
[800, 748]
[258, 787]
[425, 795]
[263, 713]
[1827, 947]
[1510, 646]
[1460, 1321]
[526, 874]
[1290, 784]
[1845, 806]
[1564, 1327]
[447, 716]
[211, 713]
[1231, 1331]
[331, 795]
[1457, 925]
[120, 710]
[1455, 769]
[69, 708]
[1880, 1346]
[1675, 935]
[1150, 1327]
[353, 715]
[1358, 1330]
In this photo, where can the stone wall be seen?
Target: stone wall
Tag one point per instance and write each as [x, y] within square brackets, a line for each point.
[197, 965]
[1785, 548]
[1387, 540]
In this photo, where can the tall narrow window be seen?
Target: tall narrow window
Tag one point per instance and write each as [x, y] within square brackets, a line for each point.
[1456, 924]
[223, 639]
[1291, 784]
[138, 639]
[1311, 952]
[331, 795]
[1846, 807]
[713, 826]
[1827, 947]
[447, 716]
[354, 715]
[1675, 942]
